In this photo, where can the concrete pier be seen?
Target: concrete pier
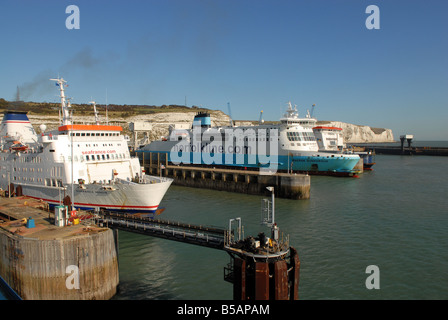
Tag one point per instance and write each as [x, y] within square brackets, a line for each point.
[41, 261]
[287, 185]
[403, 150]
[359, 167]
[291, 186]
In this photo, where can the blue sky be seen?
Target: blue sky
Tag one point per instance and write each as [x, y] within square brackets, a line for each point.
[255, 54]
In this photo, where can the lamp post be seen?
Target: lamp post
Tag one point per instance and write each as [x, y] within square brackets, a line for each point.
[274, 227]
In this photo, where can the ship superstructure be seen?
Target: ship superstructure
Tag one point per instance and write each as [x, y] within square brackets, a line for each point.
[88, 165]
[329, 139]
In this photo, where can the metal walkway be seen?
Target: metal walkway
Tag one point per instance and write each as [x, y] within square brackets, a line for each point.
[210, 237]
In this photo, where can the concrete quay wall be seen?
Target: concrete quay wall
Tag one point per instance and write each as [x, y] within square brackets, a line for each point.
[290, 186]
[37, 269]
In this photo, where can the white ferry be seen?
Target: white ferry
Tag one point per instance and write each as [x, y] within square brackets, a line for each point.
[287, 146]
[87, 166]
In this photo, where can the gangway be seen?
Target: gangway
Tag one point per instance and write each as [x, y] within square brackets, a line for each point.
[207, 236]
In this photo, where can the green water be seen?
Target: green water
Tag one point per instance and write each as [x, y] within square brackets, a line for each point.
[395, 217]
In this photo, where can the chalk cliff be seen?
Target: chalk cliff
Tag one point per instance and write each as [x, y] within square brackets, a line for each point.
[353, 133]
[160, 123]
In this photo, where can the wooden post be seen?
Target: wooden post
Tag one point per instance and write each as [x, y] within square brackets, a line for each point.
[294, 275]
[281, 280]
[239, 279]
[261, 281]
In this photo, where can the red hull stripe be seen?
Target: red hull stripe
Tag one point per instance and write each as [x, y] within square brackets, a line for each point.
[328, 128]
[99, 205]
[90, 127]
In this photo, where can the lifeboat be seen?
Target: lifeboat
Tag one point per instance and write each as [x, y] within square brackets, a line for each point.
[18, 146]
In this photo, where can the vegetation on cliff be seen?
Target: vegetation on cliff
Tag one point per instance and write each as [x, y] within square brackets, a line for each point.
[163, 116]
[85, 109]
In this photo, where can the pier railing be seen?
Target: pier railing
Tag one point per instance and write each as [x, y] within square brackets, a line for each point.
[206, 236]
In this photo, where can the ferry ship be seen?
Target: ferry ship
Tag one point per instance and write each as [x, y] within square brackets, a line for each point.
[86, 166]
[288, 146]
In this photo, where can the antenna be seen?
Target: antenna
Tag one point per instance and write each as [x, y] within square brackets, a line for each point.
[230, 114]
[260, 121]
[97, 121]
[312, 110]
[107, 119]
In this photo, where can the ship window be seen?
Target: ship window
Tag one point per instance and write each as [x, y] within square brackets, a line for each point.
[83, 134]
[77, 134]
[104, 158]
[87, 158]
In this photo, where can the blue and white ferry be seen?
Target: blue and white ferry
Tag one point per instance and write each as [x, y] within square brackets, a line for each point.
[288, 146]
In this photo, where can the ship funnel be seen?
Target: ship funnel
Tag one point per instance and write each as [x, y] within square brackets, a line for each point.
[16, 126]
[202, 119]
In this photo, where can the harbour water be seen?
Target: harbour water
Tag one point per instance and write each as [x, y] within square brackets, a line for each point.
[395, 218]
[2, 294]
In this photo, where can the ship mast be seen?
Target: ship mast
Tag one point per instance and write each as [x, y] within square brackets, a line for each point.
[61, 83]
[97, 120]
[66, 120]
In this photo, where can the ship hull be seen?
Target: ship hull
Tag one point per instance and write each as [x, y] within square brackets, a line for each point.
[297, 161]
[125, 197]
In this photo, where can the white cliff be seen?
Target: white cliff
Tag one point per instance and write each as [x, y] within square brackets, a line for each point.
[353, 133]
[161, 121]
